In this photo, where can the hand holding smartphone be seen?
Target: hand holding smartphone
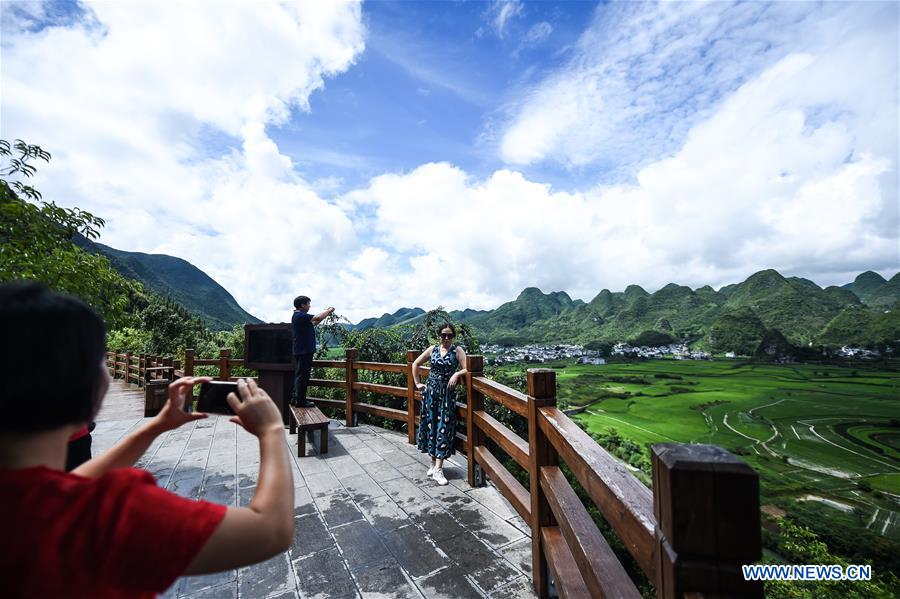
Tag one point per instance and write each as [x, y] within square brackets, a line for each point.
[213, 394]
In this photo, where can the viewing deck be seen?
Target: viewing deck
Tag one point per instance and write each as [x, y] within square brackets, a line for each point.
[368, 523]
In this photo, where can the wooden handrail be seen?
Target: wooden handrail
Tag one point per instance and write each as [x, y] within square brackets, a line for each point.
[622, 499]
[510, 398]
[603, 575]
[380, 367]
[701, 516]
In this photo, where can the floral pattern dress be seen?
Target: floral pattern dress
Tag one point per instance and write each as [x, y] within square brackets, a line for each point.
[437, 424]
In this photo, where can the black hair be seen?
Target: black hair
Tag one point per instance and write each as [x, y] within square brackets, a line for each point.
[53, 347]
[300, 300]
[446, 325]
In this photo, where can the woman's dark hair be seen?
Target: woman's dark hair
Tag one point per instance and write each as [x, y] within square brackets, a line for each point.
[300, 300]
[52, 350]
[446, 325]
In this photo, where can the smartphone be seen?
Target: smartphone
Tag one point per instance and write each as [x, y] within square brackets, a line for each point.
[212, 397]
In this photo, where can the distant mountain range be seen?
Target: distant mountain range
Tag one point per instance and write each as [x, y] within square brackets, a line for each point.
[179, 280]
[734, 318]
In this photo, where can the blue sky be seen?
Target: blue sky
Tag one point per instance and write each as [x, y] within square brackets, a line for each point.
[433, 79]
[384, 154]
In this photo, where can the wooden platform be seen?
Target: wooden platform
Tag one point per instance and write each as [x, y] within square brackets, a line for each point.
[122, 402]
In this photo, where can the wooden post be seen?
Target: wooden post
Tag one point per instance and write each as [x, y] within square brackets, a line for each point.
[474, 403]
[350, 378]
[142, 369]
[706, 503]
[541, 393]
[411, 402]
[128, 368]
[170, 375]
[189, 362]
[224, 366]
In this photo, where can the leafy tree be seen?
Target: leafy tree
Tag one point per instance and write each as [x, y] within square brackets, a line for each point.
[799, 545]
[36, 238]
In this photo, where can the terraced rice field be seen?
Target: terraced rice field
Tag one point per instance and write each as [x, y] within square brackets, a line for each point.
[817, 433]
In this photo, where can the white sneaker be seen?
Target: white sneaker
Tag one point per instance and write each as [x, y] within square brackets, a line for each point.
[430, 471]
[439, 477]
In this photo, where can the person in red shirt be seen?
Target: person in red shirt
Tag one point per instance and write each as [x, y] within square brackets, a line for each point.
[106, 529]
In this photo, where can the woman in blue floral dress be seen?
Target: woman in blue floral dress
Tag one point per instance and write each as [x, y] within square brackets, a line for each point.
[437, 424]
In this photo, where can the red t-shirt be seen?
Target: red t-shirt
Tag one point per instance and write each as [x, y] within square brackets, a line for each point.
[118, 535]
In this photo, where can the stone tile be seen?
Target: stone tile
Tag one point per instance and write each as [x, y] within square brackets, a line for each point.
[360, 544]
[362, 485]
[324, 575]
[439, 491]
[412, 469]
[348, 442]
[404, 492]
[345, 467]
[188, 585]
[437, 522]
[382, 513]
[245, 494]
[224, 494]
[244, 480]
[323, 483]
[491, 498]
[381, 471]
[520, 588]
[485, 567]
[214, 478]
[449, 583]
[310, 536]
[414, 550]
[381, 445]
[519, 554]
[484, 523]
[385, 581]
[268, 577]
[365, 455]
[519, 523]
[311, 465]
[303, 502]
[337, 509]
[187, 471]
[225, 591]
[284, 595]
[400, 459]
[186, 487]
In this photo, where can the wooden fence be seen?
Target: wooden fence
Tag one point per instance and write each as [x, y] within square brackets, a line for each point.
[690, 534]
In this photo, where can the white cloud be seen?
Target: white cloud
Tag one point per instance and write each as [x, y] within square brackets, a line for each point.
[537, 33]
[127, 98]
[642, 75]
[760, 183]
[790, 163]
[501, 12]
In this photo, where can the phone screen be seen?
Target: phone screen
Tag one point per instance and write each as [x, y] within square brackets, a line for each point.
[212, 397]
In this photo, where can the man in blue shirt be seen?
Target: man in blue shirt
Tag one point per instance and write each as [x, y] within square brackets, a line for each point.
[304, 333]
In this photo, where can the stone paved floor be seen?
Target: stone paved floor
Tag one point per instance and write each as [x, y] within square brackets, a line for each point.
[368, 523]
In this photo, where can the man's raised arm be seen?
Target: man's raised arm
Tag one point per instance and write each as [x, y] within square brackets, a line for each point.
[322, 315]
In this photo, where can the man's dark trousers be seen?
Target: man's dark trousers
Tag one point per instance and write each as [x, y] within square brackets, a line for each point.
[302, 368]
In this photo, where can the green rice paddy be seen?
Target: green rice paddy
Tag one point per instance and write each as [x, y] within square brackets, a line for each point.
[820, 433]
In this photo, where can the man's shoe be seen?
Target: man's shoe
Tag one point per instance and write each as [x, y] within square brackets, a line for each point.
[305, 404]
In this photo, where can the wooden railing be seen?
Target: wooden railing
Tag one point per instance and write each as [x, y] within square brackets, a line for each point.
[690, 534]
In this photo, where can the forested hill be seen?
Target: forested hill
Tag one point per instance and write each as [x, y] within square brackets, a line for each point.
[179, 280]
[734, 318]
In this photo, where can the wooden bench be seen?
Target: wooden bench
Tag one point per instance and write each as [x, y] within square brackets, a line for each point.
[307, 420]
